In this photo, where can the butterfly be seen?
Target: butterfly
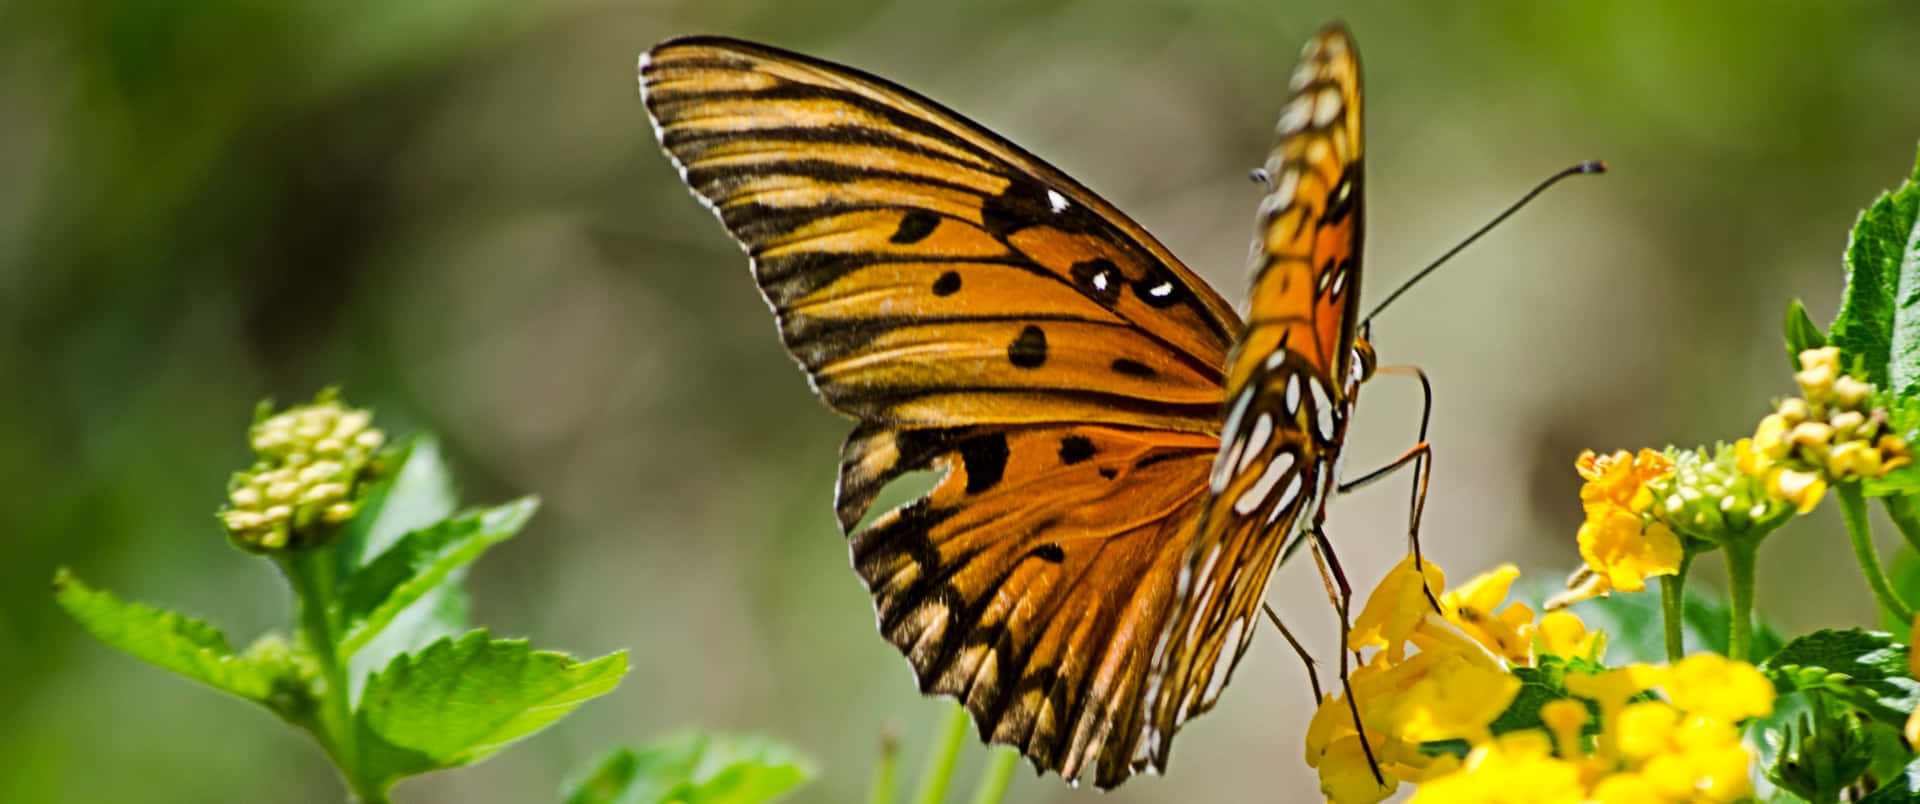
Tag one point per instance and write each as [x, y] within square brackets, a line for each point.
[1125, 459]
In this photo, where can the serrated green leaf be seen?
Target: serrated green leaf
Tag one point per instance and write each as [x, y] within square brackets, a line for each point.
[184, 645]
[456, 702]
[418, 563]
[692, 769]
[1879, 324]
[1863, 668]
[414, 490]
[1802, 334]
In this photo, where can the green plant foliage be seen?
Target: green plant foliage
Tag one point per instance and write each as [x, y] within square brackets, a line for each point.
[1903, 419]
[419, 563]
[1632, 623]
[175, 642]
[383, 585]
[1802, 333]
[1900, 789]
[692, 769]
[1539, 686]
[1821, 753]
[1878, 329]
[1865, 669]
[458, 701]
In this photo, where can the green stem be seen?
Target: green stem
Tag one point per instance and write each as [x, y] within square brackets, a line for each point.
[314, 579]
[1673, 607]
[1853, 509]
[993, 782]
[881, 791]
[941, 756]
[1742, 551]
[1906, 518]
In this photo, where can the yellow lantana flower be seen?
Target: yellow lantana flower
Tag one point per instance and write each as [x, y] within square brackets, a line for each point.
[1621, 542]
[1713, 685]
[1518, 768]
[1824, 437]
[1396, 608]
[1507, 632]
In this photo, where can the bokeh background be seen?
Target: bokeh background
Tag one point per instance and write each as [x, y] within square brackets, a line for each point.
[455, 209]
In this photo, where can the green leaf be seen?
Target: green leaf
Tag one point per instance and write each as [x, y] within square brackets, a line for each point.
[418, 563]
[1879, 324]
[1802, 334]
[1863, 668]
[414, 490]
[1903, 419]
[456, 702]
[1898, 790]
[692, 769]
[268, 675]
[1636, 633]
[1538, 686]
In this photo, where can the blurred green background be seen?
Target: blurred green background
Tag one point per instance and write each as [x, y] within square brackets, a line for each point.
[455, 209]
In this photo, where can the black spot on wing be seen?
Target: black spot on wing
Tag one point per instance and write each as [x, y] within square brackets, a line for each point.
[1076, 448]
[914, 227]
[985, 460]
[947, 285]
[1109, 472]
[1099, 278]
[1132, 368]
[1159, 289]
[1345, 198]
[1049, 552]
[1030, 349]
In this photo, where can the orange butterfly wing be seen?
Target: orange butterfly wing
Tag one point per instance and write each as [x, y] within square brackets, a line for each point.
[981, 313]
[1290, 389]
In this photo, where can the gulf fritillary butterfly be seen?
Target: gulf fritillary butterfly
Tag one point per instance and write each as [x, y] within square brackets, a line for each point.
[1125, 461]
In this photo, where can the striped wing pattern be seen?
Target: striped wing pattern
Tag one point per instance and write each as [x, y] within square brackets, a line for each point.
[1291, 387]
[983, 315]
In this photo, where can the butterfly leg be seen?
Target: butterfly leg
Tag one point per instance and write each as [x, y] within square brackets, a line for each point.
[1421, 457]
[1313, 676]
[1341, 594]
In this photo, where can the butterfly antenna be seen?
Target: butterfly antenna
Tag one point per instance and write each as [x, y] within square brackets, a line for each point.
[1594, 166]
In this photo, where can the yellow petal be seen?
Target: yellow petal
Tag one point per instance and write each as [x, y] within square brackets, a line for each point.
[1713, 685]
[1395, 607]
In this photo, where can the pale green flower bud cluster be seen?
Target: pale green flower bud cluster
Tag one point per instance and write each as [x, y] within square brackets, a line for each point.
[311, 461]
[1708, 497]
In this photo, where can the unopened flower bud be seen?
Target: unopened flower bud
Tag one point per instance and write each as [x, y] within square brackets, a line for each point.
[311, 462]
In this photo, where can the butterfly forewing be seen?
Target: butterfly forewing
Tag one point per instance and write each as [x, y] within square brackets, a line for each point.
[1290, 388]
[982, 314]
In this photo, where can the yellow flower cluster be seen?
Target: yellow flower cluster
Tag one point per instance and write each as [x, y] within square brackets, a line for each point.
[1826, 437]
[1451, 688]
[1621, 540]
[1456, 680]
[310, 460]
[1683, 749]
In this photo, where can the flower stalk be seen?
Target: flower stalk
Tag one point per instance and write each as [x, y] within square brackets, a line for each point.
[1853, 511]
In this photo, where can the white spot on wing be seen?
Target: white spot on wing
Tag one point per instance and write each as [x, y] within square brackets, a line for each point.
[1161, 291]
[1293, 394]
[1056, 200]
[1326, 107]
[1295, 116]
[1100, 281]
[1250, 499]
[1223, 666]
[1286, 499]
[1222, 467]
[1257, 440]
[1323, 409]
